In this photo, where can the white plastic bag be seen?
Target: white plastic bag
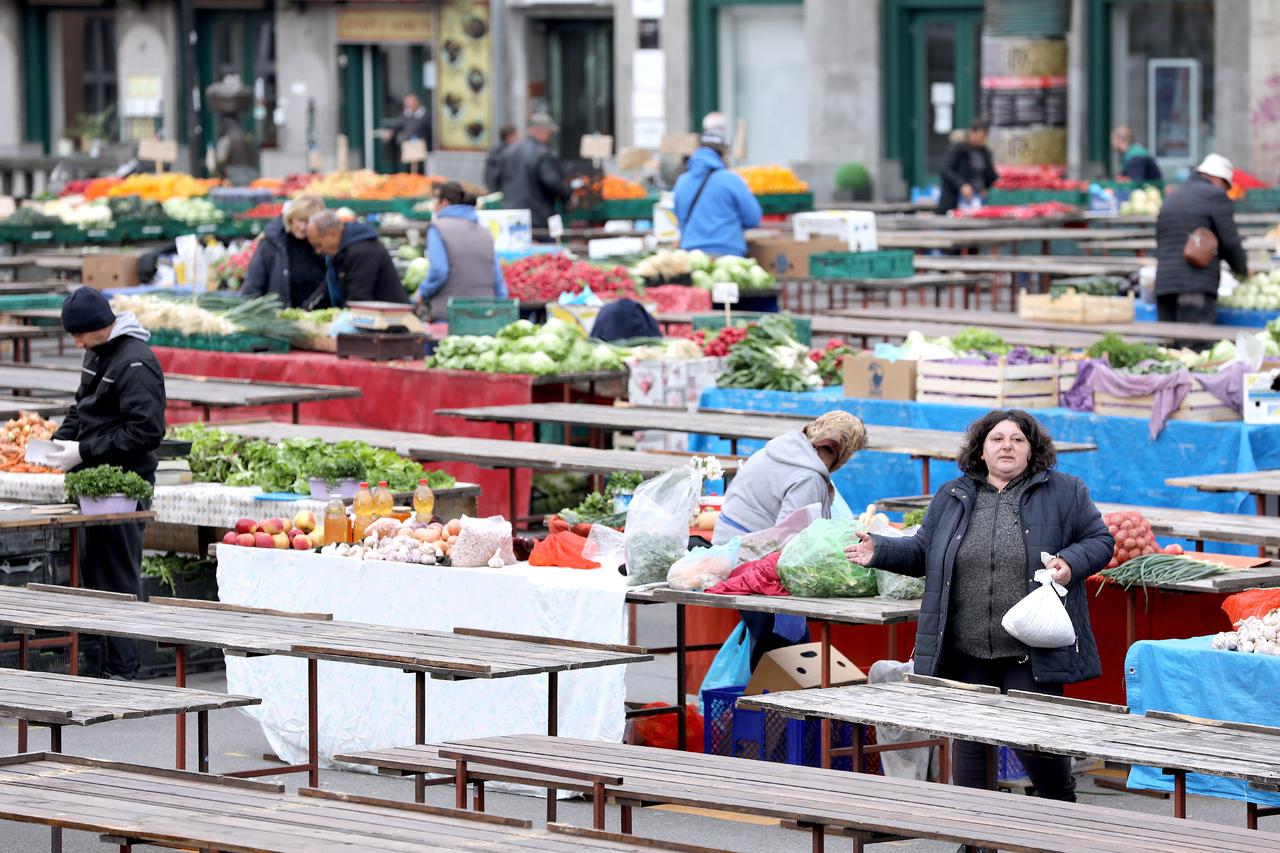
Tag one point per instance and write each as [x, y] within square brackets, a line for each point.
[704, 567]
[1040, 620]
[658, 524]
[605, 546]
[762, 543]
[478, 539]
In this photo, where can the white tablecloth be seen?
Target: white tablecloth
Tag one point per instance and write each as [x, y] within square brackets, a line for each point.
[366, 707]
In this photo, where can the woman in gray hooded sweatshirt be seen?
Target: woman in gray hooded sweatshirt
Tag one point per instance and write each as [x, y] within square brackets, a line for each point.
[789, 473]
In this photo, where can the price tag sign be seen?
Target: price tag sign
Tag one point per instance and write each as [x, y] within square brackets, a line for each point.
[555, 225]
[595, 146]
[159, 151]
[725, 291]
[413, 151]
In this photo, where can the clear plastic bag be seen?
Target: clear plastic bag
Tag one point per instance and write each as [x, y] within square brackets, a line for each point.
[1040, 620]
[704, 567]
[605, 546]
[893, 585]
[762, 543]
[479, 538]
[657, 528]
[813, 564]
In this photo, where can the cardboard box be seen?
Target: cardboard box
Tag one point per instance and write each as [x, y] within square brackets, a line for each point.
[512, 230]
[1261, 404]
[799, 668]
[784, 255]
[879, 379]
[671, 383]
[110, 270]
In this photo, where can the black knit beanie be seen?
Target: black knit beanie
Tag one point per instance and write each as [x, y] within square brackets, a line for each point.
[86, 310]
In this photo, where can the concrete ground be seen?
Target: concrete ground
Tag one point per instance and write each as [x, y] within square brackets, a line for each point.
[236, 743]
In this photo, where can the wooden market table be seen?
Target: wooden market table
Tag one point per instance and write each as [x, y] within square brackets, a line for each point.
[1036, 722]
[921, 444]
[199, 391]
[20, 336]
[131, 805]
[484, 452]
[869, 808]
[999, 320]
[797, 291]
[995, 237]
[825, 611]
[12, 407]
[1260, 484]
[458, 655]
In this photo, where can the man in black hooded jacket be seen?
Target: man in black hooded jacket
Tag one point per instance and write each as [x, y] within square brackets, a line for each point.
[360, 268]
[117, 419]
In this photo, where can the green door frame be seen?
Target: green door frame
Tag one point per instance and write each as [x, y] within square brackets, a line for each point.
[351, 84]
[205, 21]
[968, 24]
[37, 126]
[903, 57]
[704, 46]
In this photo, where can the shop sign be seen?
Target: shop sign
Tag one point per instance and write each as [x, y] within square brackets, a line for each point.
[383, 26]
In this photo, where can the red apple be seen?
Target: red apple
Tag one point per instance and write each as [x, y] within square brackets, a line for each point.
[273, 526]
[232, 538]
[294, 533]
[305, 521]
[280, 540]
[301, 542]
[247, 540]
[246, 525]
[263, 540]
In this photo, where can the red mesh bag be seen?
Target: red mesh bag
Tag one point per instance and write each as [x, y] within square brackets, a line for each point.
[661, 731]
[1251, 602]
[1133, 536]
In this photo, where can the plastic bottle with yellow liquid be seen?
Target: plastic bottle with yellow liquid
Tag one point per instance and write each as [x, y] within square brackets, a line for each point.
[424, 502]
[384, 501]
[362, 508]
[337, 527]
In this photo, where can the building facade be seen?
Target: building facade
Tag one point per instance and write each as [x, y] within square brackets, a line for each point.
[814, 83]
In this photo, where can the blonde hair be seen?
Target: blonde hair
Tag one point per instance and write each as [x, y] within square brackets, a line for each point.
[841, 431]
[301, 208]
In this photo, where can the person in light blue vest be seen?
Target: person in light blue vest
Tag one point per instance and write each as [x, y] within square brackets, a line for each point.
[460, 250]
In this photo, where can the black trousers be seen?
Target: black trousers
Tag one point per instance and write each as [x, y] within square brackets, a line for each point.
[1187, 308]
[1051, 775]
[111, 561]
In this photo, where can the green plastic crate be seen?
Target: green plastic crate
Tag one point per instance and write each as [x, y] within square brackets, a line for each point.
[715, 322]
[481, 316]
[785, 202]
[102, 234]
[1260, 201]
[886, 263]
[624, 208]
[997, 196]
[218, 343]
[29, 301]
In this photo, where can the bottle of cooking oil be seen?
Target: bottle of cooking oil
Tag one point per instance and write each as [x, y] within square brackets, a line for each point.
[362, 507]
[384, 502]
[424, 502]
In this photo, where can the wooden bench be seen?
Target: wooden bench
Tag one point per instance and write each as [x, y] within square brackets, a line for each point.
[812, 798]
[138, 805]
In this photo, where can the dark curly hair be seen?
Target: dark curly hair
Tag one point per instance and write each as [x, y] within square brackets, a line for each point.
[1043, 454]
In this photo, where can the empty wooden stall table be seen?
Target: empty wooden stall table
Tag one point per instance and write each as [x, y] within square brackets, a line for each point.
[871, 808]
[1033, 721]
[1260, 484]
[131, 805]
[198, 391]
[12, 407]
[921, 444]
[244, 631]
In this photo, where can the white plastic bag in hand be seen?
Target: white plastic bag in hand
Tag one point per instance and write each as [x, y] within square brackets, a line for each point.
[1040, 620]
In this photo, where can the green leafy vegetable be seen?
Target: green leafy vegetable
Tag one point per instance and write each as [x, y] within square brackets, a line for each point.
[979, 340]
[770, 358]
[1123, 355]
[104, 481]
[813, 564]
[650, 556]
[172, 568]
[913, 518]
[622, 483]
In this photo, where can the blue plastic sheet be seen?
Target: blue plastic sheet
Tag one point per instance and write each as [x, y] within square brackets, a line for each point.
[1189, 677]
[1127, 467]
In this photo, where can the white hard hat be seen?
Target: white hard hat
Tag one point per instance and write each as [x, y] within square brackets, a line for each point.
[1217, 166]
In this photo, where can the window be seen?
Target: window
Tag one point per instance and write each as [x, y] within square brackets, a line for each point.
[90, 80]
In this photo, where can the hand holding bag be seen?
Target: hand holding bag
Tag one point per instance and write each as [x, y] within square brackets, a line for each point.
[1040, 620]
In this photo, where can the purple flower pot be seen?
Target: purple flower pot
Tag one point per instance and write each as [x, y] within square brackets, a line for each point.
[109, 505]
[346, 489]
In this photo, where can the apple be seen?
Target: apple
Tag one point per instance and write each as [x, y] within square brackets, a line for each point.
[273, 526]
[280, 540]
[247, 540]
[246, 525]
[232, 538]
[305, 521]
[294, 532]
[263, 540]
[301, 542]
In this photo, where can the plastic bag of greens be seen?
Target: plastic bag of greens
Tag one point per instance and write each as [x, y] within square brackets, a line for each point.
[762, 543]
[704, 567]
[813, 564]
[657, 531]
[892, 585]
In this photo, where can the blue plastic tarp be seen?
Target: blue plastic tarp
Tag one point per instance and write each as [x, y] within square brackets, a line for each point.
[1189, 677]
[1127, 467]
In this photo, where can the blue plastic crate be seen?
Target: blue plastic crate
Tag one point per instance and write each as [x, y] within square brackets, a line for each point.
[1008, 767]
[769, 736]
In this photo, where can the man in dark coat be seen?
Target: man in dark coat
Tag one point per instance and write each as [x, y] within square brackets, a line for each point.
[530, 176]
[493, 160]
[415, 123]
[1185, 294]
[117, 419]
[968, 169]
[360, 267]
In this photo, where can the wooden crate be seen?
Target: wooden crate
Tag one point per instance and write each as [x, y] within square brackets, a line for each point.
[1068, 369]
[1198, 406]
[1001, 385]
[1075, 308]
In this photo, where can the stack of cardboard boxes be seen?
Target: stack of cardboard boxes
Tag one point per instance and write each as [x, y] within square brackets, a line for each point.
[670, 384]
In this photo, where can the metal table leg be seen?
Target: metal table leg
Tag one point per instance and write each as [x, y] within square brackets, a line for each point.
[553, 727]
[180, 720]
[682, 734]
[420, 731]
[825, 723]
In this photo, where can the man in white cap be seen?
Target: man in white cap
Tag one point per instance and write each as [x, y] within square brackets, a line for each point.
[1185, 291]
[529, 173]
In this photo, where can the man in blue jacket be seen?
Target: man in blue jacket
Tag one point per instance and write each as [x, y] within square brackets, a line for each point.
[713, 204]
